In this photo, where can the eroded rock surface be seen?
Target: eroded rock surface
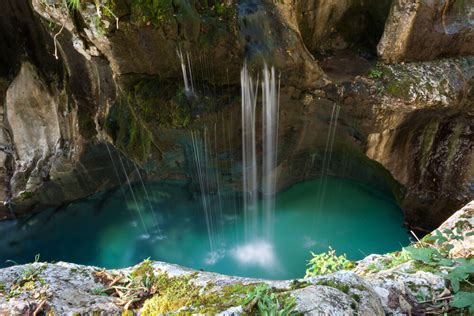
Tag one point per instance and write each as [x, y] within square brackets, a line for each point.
[426, 30]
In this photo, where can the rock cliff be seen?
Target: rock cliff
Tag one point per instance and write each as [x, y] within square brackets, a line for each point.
[104, 81]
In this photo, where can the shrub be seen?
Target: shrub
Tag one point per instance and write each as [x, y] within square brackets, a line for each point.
[327, 262]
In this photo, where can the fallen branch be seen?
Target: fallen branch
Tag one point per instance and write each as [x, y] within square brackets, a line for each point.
[39, 308]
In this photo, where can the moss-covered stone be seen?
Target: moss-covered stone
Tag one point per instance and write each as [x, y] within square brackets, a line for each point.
[178, 293]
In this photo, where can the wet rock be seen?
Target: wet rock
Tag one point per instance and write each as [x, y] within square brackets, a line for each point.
[426, 30]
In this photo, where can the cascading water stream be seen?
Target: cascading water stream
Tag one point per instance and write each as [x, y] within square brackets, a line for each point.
[186, 69]
[208, 176]
[328, 153]
[270, 105]
[249, 156]
[134, 197]
[155, 220]
[270, 109]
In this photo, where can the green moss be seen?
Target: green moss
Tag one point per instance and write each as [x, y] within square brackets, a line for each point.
[26, 195]
[155, 11]
[428, 137]
[335, 284]
[345, 288]
[453, 144]
[174, 293]
[148, 105]
[159, 102]
[399, 88]
[295, 284]
[355, 297]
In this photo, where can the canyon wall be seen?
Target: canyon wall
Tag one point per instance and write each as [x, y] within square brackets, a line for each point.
[114, 96]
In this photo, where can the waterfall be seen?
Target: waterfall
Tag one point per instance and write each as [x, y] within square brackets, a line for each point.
[270, 94]
[137, 205]
[155, 220]
[186, 68]
[207, 174]
[249, 156]
[328, 153]
[270, 145]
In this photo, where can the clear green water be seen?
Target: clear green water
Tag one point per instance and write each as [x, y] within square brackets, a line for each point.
[105, 230]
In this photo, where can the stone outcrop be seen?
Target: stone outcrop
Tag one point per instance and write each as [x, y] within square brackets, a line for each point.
[425, 30]
[380, 284]
[31, 113]
[423, 135]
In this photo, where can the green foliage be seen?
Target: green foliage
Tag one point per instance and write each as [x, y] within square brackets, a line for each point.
[73, 4]
[433, 251]
[376, 72]
[327, 262]
[156, 11]
[263, 301]
[463, 300]
[344, 288]
[155, 103]
[99, 291]
[26, 195]
[128, 130]
[160, 293]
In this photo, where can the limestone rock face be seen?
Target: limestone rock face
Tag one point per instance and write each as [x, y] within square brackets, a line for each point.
[426, 142]
[417, 122]
[335, 25]
[46, 160]
[32, 114]
[426, 30]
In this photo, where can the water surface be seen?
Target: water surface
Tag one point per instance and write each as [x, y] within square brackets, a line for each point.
[107, 230]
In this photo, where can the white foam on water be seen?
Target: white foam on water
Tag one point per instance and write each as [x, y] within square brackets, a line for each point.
[256, 253]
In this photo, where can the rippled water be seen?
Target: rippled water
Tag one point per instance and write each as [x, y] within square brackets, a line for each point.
[106, 230]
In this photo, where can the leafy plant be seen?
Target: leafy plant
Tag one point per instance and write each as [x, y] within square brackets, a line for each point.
[375, 73]
[433, 251]
[263, 301]
[327, 262]
[73, 4]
